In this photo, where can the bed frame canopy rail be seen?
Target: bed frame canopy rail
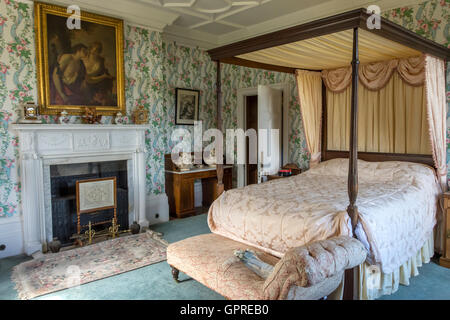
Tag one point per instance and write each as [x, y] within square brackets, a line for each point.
[353, 21]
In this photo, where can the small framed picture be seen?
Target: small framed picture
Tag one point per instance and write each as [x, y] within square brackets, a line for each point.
[140, 115]
[186, 106]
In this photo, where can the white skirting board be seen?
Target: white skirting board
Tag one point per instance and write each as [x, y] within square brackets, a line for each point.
[11, 235]
[11, 229]
[157, 208]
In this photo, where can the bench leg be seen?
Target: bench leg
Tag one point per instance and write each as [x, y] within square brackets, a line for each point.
[175, 273]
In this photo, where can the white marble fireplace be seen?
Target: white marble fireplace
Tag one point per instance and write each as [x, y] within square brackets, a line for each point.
[42, 146]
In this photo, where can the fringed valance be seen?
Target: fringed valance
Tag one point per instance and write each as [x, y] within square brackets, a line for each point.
[375, 76]
[337, 80]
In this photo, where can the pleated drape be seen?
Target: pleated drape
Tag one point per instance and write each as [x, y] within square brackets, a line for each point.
[437, 114]
[375, 76]
[309, 85]
[391, 120]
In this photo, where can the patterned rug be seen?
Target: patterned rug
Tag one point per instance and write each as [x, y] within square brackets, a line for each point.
[57, 271]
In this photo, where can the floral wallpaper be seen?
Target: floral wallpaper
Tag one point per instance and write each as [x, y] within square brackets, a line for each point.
[144, 86]
[153, 70]
[17, 83]
[429, 19]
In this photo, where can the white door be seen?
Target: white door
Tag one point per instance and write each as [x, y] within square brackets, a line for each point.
[270, 116]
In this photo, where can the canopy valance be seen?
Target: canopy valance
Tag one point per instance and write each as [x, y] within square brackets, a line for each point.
[331, 51]
[374, 76]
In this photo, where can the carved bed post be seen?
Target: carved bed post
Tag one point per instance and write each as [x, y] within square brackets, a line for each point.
[353, 155]
[219, 167]
[351, 276]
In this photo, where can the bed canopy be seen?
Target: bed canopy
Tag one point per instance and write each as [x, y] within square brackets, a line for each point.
[339, 60]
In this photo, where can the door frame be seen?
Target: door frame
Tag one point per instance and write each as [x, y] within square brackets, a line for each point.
[242, 120]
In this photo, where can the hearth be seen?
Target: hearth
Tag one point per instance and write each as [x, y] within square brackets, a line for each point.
[47, 149]
[63, 178]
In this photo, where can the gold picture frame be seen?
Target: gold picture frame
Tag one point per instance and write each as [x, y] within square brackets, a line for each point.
[94, 53]
[140, 115]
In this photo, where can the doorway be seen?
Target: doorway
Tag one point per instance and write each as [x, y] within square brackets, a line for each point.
[251, 119]
[242, 96]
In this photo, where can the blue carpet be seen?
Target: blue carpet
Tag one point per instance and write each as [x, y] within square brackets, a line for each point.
[155, 281]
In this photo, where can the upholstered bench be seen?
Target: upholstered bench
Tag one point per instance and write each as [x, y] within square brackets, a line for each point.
[308, 272]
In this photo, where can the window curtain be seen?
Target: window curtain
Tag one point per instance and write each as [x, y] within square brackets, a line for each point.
[391, 120]
[437, 114]
[309, 85]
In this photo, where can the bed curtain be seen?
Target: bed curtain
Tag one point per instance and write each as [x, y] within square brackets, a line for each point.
[391, 120]
[309, 85]
[437, 116]
[391, 113]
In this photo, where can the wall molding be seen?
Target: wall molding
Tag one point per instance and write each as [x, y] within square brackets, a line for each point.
[157, 204]
[11, 235]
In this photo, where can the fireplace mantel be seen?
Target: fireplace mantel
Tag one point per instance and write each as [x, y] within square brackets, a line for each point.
[42, 145]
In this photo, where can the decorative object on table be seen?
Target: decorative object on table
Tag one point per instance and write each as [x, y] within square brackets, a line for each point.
[211, 159]
[288, 170]
[48, 273]
[135, 228]
[54, 245]
[140, 115]
[64, 117]
[285, 172]
[29, 113]
[79, 67]
[119, 119]
[184, 162]
[186, 106]
[293, 167]
[90, 116]
[93, 195]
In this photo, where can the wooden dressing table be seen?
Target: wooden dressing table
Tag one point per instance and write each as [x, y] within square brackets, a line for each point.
[180, 187]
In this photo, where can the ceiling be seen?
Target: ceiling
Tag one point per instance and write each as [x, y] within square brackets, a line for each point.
[212, 23]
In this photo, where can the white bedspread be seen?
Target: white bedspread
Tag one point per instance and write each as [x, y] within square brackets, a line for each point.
[397, 202]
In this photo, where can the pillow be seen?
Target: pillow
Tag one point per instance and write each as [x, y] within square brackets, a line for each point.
[334, 167]
[367, 171]
[253, 263]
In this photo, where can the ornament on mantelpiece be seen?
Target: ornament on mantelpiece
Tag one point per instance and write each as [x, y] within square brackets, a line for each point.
[29, 113]
[119, 119]
[64, 117]
[140, 115]
[90, 116]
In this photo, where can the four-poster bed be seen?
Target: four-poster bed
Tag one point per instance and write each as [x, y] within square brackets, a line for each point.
[331, 43]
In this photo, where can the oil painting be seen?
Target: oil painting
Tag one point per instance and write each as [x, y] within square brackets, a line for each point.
[79, 67]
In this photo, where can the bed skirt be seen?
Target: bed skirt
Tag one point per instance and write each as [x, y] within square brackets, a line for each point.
[374, 284]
